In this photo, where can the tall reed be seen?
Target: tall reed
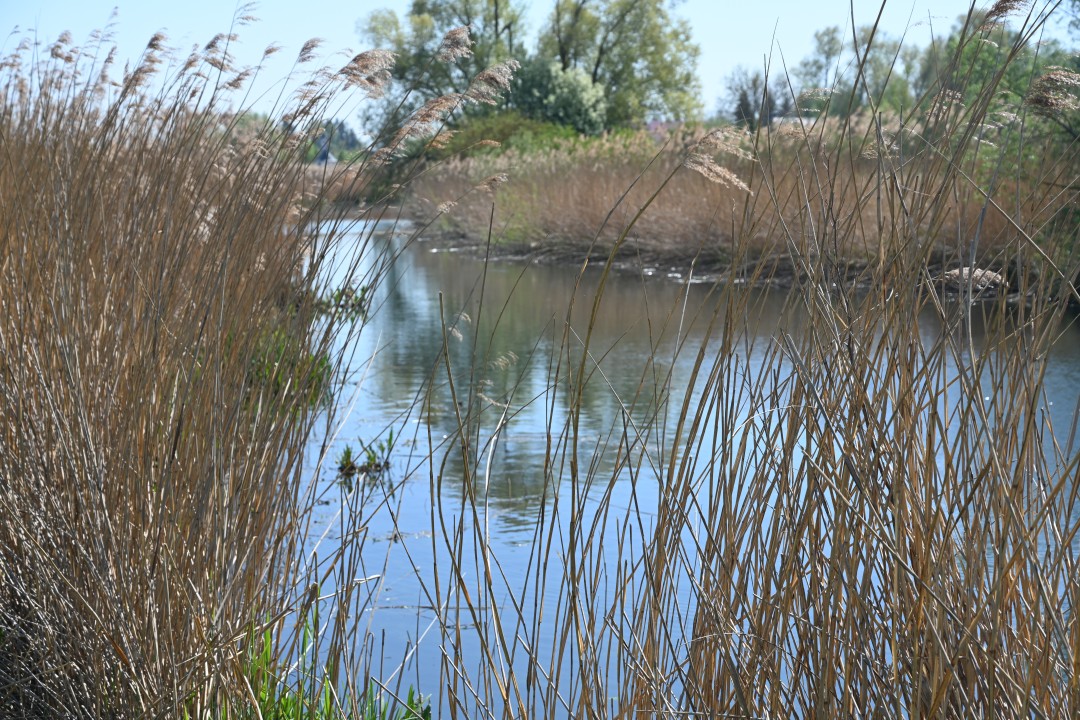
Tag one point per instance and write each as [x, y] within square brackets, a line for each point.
[169, 339]
[881, 522]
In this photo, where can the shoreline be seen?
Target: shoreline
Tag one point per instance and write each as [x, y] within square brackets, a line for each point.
[638, 257]
[775, 270]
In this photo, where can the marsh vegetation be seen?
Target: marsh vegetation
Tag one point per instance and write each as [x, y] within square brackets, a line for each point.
[854, 498]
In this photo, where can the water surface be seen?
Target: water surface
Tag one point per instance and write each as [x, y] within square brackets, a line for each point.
[455, 341]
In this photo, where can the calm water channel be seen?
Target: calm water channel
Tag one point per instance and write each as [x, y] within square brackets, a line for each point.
[502, 325]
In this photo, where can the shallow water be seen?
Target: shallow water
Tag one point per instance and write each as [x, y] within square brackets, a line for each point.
[502, 325]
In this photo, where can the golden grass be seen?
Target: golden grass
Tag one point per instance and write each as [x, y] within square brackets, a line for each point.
[162, 365]
[824, 174]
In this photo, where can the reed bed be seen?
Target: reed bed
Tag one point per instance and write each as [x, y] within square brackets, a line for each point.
[169, 341]
[805, 169]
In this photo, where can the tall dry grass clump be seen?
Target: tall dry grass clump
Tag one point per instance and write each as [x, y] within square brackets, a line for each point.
[167, 341]
[557, 197]
[150, 467]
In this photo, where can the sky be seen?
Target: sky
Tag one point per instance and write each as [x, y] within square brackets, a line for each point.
[730, 33]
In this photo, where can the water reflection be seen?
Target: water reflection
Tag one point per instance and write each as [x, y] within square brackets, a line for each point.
[495, 348]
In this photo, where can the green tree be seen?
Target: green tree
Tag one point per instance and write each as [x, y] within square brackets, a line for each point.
[744, 112]
[753, 102]
[996, 81]
[426, 67]
[820, 69]
[644, 59]
[884, 70]
[868, 67]
[976, 51]
[544, 91]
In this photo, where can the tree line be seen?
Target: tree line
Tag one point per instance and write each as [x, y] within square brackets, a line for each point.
[849, 72]
[600, 65]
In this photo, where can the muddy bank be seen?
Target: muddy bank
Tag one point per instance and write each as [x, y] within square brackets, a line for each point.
[777, 269]
[638, 256]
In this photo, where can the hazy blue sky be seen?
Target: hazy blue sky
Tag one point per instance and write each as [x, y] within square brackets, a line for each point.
[729, 32]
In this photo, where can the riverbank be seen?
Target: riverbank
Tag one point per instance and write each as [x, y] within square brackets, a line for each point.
[783, 212]
[779, 270]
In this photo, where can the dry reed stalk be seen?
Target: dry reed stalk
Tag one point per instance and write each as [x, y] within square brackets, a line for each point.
[163, 362]
[555, 201]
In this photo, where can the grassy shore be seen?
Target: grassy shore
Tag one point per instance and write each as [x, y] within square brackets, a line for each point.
[553, 200]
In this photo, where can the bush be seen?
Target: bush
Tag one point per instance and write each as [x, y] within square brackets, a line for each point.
[544, 91]
[497, 132]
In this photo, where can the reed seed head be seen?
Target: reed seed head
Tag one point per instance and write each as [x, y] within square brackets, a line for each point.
[307, 52]
[708, 168]
[157, 42]
[493, 182]
[456, 44]
[369, 71]
[1054, 92]
[490, 84]
[1003, 8]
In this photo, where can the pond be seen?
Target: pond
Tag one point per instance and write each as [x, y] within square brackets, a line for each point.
[469, 368]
